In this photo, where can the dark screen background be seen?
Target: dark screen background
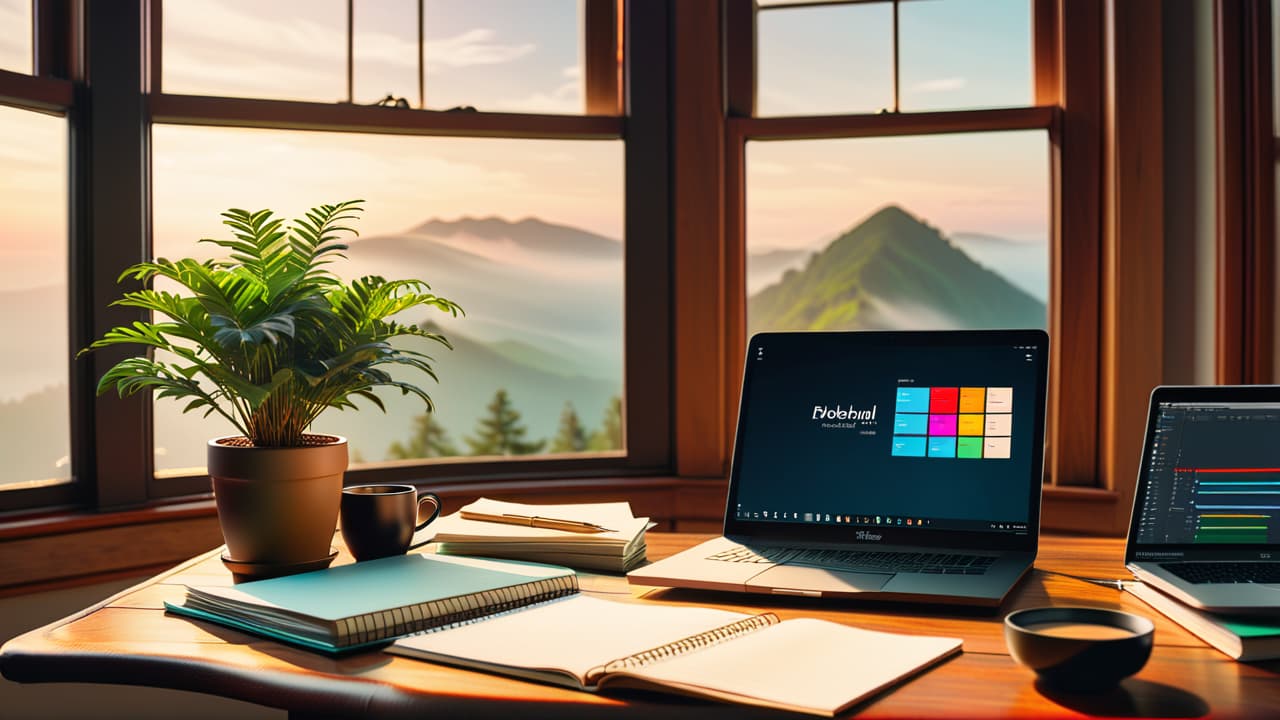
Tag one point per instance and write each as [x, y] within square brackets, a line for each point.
[790, 463]
[1236, 435]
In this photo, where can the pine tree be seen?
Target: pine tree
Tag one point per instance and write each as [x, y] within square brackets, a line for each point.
[428, 440]
[500, 432]
[609, 437]
[572, 436]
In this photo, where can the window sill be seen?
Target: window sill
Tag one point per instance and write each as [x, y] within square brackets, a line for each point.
[50, 550]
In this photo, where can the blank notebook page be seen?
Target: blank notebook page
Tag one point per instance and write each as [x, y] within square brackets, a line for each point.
[574, 634]
[802, 662]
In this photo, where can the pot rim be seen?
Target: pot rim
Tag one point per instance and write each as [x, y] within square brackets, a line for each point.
[219, 442]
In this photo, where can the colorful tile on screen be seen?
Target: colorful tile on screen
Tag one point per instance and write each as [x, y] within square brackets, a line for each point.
[942, 447]
[913, 400]
[942, 424]
[998, 425]
[999, 400]
[911, 424]
[996, 447]
[944, 399]
[970, 425]
[908, 446]
[973, 399]
[969, 447]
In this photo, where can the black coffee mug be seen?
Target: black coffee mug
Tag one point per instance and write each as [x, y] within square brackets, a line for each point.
[379, 520]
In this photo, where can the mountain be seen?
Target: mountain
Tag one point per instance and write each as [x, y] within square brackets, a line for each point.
[529, 234]
[1025, 264]
[516, 281]
[469, 376]
[766, 267]
[892, 271]
[37, 436]
[37, 319]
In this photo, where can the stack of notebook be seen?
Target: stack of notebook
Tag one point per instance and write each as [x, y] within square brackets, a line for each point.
[604, 536]
[1245, 638]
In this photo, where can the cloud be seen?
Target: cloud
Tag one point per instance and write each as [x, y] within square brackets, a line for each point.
[573, 72]
[940, 85]
[473, 47]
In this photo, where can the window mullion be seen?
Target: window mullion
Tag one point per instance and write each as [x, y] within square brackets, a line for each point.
[115, 159]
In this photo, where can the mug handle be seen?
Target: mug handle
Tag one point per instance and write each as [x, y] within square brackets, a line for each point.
[435, 501]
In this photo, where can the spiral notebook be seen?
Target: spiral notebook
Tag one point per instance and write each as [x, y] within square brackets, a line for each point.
[802, 665]
[367, 603]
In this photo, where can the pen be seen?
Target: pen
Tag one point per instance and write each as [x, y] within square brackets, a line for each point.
[535, 521]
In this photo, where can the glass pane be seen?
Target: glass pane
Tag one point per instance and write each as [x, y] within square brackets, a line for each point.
[524, 234]
[504, 55]
[943, 231]
[284, 50]
[963, 54]
[15, 36]
[34, 356]
[825, 60]
[1275, 70]
[385, 50]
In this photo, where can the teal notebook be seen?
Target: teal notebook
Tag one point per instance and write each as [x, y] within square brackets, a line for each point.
[367, 603]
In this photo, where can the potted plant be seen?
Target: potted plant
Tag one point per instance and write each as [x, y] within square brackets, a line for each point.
[269, 339]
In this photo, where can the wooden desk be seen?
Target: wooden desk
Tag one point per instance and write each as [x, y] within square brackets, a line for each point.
[128, 639]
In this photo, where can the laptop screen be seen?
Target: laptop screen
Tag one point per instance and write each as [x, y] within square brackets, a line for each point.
[1211, 471]
[920, 433]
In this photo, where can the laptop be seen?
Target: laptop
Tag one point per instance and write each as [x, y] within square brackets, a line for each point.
[880, 465]
[1205, 527]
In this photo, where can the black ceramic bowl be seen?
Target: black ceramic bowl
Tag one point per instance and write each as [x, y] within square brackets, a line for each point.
[1079, 649]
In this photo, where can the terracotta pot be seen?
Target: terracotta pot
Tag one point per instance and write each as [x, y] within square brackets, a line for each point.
[278, 506]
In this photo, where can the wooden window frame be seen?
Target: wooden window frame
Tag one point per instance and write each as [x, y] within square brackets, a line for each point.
[111, 229]
[710, 231]
[1245, 303]
[51, 89]
[645, 405]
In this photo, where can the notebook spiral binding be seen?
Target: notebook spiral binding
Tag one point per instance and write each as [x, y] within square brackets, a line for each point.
[685, 645]
[451, 612]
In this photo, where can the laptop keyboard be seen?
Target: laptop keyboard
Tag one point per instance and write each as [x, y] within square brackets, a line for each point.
[1234, 572]
[862, 560]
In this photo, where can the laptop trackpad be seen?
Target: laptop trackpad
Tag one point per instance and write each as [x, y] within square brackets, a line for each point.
[798, 577]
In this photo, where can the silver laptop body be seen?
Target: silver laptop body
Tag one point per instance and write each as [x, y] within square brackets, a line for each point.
[1205, 526]
[880, 465]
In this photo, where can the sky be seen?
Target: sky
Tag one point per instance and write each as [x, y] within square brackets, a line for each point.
[803, 193]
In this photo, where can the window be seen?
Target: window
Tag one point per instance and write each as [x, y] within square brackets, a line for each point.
[521, 206]
[34, 353]
[490, 55]
[15, 36]
[37, 406]
[287, 50]
[524, 219]
[924, 139]
[524, 234]
[891, 55]
[938, 231]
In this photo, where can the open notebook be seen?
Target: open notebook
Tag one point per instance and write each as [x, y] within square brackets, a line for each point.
[803, 665]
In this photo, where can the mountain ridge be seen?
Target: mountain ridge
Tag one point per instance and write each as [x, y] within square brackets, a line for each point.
[892, 270]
